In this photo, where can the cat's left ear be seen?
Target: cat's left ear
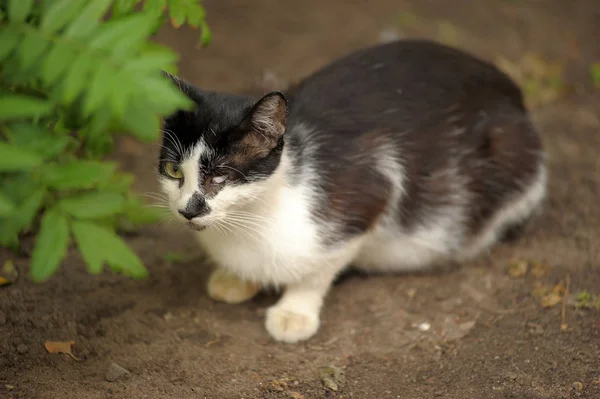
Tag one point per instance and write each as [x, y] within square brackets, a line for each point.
[269, 116]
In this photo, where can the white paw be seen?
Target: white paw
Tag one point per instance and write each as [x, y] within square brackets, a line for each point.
[290, 326]
[225, 287]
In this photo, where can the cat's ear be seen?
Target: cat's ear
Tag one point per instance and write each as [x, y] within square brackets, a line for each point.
[269, 116]
[186, 88]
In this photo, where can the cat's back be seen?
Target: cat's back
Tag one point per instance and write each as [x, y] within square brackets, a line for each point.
[398, 85]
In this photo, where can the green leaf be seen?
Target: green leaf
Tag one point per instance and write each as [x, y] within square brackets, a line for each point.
[123, 7]
[50, 245]
[27, 211]
[13, 158]
[19, 9]
[142, 125]
[86, 237]
[55, 64]
[98, 244]
[26, 194]
[196, 15]
[151, 61]
[9, 39]
[128, 31]
[120, 92]
[101, 120]
[76, 80]
[60, 13]
[138, 30]
[20, 219]
[6, 206]
[76, 174]
[138, 213]
[15, 106]
[97, 91]
[89, 19]
[119, 183]
[205, 34]
[177, 11]
[37, 139]
[155, 7]
[163, 94]
[92, 205]
[98, 143]
[595, 74]
[31, 49]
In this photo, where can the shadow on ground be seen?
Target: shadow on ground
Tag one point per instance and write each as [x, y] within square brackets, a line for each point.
[488, 335]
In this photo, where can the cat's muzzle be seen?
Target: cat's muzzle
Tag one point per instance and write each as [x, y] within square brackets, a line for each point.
[195, 226]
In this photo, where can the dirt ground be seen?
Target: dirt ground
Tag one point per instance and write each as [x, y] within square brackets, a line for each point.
[472, 332]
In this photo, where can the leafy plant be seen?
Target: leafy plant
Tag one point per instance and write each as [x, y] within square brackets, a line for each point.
[72, 78]
[595, 74]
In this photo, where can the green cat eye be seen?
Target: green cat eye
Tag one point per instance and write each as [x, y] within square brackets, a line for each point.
[174, 170]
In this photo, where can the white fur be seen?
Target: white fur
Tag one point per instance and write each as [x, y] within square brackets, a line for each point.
[263, 233]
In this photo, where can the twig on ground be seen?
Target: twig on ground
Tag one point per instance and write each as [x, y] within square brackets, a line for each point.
[563, 313]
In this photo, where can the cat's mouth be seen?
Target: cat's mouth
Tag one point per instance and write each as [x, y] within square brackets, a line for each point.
[195, 226]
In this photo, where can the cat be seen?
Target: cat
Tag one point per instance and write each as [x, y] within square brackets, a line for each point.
[399, 157]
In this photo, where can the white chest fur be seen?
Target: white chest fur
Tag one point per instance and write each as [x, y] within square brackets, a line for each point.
[278, 244]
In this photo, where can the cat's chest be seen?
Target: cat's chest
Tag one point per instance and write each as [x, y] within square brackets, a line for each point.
[276, 244]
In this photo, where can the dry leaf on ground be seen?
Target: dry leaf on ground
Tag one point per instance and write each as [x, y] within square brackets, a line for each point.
[9, 273]
[554, 297]
[539, 269]
[60, 347]
[518, 269]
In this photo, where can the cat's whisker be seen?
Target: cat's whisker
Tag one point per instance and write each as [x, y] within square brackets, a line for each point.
[249, 215]
[174, 140]
[153, 195]
[248, 229]
[249, 222]
[234, 169]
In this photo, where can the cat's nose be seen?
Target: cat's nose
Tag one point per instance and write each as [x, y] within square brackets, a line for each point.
[189, 215]
[196, 206]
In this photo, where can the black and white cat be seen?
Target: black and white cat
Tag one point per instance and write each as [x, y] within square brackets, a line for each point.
[395, 158]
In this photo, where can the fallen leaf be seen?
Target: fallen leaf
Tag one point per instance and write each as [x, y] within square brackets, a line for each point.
[9, 273]
[278, 385]
[540, 289]
[553, 297]
[550, 300]
[60, 347]
[452, 330]
[539, 269]
[333, 377]
[518, 269]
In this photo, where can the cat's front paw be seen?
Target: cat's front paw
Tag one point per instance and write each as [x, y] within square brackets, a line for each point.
[289, 325]
[225, 287]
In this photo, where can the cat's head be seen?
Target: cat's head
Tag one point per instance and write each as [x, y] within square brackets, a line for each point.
[220, 156]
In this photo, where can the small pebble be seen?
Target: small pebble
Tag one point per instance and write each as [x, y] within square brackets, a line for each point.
[424, 326]
[22, 348]
[116, 372]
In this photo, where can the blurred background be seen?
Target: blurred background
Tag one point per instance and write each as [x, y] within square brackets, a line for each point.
[523, 322]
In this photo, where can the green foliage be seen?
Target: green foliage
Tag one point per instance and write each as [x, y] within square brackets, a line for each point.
[72, 78]
[595, 74]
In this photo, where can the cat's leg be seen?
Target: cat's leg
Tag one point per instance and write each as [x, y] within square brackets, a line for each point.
[295, 317]
[225, 287]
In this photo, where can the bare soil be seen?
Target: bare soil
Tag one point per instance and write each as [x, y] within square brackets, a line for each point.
[488, 335]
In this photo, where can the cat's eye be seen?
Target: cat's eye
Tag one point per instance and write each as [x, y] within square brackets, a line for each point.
[219, 179]
[173, 170]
